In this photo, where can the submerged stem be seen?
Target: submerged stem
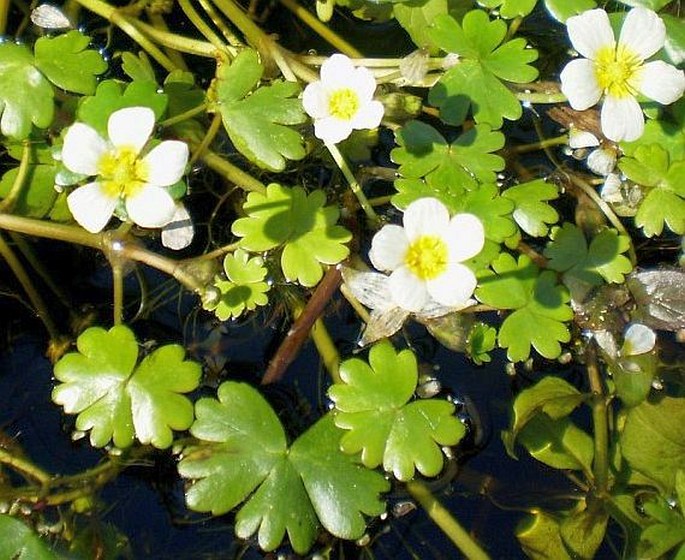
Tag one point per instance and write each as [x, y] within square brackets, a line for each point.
[600, 421]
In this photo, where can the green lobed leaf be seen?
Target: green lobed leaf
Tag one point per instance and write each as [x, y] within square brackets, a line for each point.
[584, 528]
[510, 9]
[19, 542]
[416, 16]
[532, 212]
[653, 441]
[561, 10]
[26, 96]
[603, 260]
[257, 123]
[138, 67]
[118, 401]
[540, 537]
[423, 152]
[372, 403]
[664, 181]
[481, 340]
[654, 5]
[486, 60]
[111, 96]
[68, 63]
[540, 304]
[299, 221]
[665, 533]
[38, 193]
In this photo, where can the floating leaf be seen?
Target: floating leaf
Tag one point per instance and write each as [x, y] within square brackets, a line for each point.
[510, 9]
[38, 193]
[485, 61]
[540, 537]
[118, 399]
[299, 222]
[25, 94]
[257, 122]
[481, 340]
[601, 261]
[243, 457]
[373, 404]
[19, 542]
[540, 305]
[561, 10]
[68, 63]
[653, 441]
[664, 201]
[138, 68]
[245, 287]
[531, 212]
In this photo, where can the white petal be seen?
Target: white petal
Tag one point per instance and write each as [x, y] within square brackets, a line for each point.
[166, 163]
[332, 130]
[83, 147]
[590, 31]
[407, 291]
[151, 207]
[388, 248]
[91, 207]
[369, 115]
[465, 237]
[179, 232]
[454, 287]
[336, 71]
[315, 100]
[643, 33]
[638, 339]
[611, 190]
[131, 126]
[581, 138]
[579, 84]
[602, 161]
[425, 216]
[363, 83]
[661, 82]
[622, 119]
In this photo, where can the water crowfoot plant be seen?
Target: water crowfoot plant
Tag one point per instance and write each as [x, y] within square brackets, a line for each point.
[215, 130]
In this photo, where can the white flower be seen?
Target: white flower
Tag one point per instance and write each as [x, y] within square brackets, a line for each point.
[424, 257]
[122, 172]
[619, 71]
[342, 101]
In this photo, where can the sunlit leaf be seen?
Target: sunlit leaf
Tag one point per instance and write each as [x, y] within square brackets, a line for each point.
[138, 67]
[510, 8]
[532, 212]
[68, 63]
[116, 398]
[584, 528]
[257, 122]
[25, 94]
[373, 404]
[299, 222]
[486, 60]
[540, 306]
[561, 10]
[38, 193]
[540, 537]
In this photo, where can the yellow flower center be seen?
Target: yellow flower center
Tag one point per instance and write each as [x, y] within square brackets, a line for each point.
[121, 172]
[343, 104]
[426, 257]
[617, 71]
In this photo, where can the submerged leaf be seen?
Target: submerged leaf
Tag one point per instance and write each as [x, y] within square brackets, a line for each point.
[19, 542]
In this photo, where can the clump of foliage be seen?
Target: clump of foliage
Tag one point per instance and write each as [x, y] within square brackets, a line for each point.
[532, 258]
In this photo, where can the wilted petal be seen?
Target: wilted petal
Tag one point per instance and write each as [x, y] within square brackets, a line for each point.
[383, 323]
[638, 339]
[179, 232]
[167, 163]
[579, 84]
[589, 32]
[91, 207]
[465, 237]
[643, 33]
[453, 288]
[151, 207]
[661, 82]
[581, 139]
[83, 147]
[602, 161]
[622, 119]
[388, 248]
[131, 126]
[407, 291]
[425, 216]
[370, 288]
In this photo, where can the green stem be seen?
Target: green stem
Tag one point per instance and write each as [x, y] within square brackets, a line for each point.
[189, 114]
[322, 29]
[252, 32]
[540, 97]
[158, 22]
[201, 25]
[51, 230]
[211, 133]
[25, 280]
[228, 34]
[326, 349]
[7, 205]
[541, 145]
[232, 173]
[178, 42]
[354, 185]
[118, 288]
[24, 466]
[447, 523]
[600, 421]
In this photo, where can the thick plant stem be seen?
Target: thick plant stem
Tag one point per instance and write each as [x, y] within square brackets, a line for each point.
[354, 184]
[26, 468]
[25, 280]
[600, 421]
[118, 289]
[447, 523]
[232, 173]
[7, 205]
